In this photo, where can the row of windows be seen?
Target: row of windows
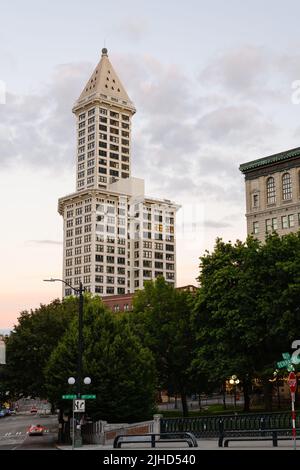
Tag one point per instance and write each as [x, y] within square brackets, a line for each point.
[287, 221]
[156, 236]
[105, 155]
[149, 254]
[126, 307]
[148, 274]
[99, 290]
[88, 238]
[112, 230]
[99, 248]
[286, 190]
[104, 128]
[137, 283]
[112, 122]
[158, 265]
[104, 112]
[102, 136]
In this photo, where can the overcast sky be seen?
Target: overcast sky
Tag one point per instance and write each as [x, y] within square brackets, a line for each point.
[212, 83]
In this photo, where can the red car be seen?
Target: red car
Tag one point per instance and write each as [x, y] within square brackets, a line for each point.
[36, 430]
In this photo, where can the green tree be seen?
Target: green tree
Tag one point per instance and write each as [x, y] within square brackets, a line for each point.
[31, 343]
[121, 369]
[246, 312]
[161, 317]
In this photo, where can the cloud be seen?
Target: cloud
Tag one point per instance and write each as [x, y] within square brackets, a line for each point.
[134, 29]
[240, 70]
[236, 125]
[216, 224]
[38, 130]
[189, 134]
[44, 242]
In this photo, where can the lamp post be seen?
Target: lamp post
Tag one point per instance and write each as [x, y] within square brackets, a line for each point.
[78, 291]
[78, 442]
[234, 381]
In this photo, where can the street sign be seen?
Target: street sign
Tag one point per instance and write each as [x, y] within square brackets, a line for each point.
[69, 397]
[292, 381]
[287, 362]
[88, 397]
[282, 364]
[79, 406]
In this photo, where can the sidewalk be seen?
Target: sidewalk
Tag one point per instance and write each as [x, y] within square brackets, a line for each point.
[203, 444]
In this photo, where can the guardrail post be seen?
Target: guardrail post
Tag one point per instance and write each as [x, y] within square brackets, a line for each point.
[275, 441]
[221, 432]
[156, 423]
[262, 425]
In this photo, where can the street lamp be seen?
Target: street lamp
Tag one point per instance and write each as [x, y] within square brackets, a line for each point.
[71, 381]
[234, 381]
[78, 291]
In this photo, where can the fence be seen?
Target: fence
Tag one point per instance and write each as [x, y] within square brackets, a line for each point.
[209, 426]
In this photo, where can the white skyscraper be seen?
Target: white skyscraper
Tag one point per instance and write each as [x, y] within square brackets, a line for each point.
[115, 237]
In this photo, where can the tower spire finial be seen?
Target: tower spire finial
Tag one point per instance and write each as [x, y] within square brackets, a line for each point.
[104, 50]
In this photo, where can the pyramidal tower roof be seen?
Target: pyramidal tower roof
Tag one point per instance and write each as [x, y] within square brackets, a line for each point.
[104, 84]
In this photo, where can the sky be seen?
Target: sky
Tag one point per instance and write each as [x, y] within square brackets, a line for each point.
[214, 84]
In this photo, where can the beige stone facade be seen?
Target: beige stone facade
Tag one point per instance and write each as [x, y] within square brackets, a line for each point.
[115, 237]
[273, 194]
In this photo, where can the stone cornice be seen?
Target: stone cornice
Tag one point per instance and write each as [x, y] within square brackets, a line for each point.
[272, 163]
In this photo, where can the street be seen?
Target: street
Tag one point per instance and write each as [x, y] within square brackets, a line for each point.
[13, 433]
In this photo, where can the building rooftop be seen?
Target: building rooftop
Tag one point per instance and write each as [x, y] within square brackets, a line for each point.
[104, 83]
[270, 160]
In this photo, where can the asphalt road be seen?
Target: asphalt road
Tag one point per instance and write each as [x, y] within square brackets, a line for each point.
[13, 433]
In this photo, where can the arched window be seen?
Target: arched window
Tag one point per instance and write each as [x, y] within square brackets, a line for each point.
[286, 187]
[271, 191]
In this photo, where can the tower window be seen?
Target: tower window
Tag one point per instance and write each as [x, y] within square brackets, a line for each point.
[286, 187]
[271, 191]
[255, 227]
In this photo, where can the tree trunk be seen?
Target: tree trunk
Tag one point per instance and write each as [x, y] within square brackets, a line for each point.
[246, 390]
[267, 387]
[278, 395]
[175, 405]
[224, 394]
[185, 410]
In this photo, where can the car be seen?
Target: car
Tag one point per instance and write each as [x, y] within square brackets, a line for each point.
[36, 430]
[33, 409]
[3, 412]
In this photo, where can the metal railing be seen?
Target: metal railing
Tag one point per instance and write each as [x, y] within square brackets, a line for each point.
[153, 439]
[210, 426]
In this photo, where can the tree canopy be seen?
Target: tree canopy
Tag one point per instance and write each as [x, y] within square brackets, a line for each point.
[31, 343]
[247, 311]
[121, 368]
[161, 316]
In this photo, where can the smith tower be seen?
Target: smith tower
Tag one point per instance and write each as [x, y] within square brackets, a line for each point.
[115, 237]
[103, 113]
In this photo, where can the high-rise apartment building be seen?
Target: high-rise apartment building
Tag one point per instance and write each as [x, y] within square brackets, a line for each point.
[273, 194]
[115, 238]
